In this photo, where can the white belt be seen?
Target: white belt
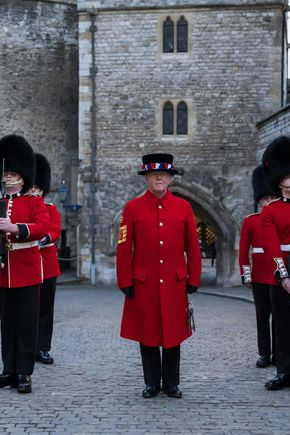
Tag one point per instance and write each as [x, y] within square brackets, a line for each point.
[258, 251]
[47, 246]
[285, 247]
[24, 245]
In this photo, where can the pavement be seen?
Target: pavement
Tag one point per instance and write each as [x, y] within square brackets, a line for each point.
[95, 385]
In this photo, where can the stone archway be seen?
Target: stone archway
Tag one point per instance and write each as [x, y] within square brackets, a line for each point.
[208, 207]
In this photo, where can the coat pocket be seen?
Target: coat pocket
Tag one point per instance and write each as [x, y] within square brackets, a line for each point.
[181, 273]
[140, 275]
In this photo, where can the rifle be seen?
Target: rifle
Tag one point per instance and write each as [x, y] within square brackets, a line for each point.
[3, 249]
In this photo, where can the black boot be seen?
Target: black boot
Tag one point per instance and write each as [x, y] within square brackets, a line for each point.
[8, 380]
[173, 391]
[278, 382]
[150, 391]
[263, 361]
[44, 357]
[24, 384]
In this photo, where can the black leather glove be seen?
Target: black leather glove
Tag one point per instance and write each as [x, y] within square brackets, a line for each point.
[128, 291]
[191, 289]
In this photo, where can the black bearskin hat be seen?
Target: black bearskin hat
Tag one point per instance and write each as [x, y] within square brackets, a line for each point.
[158, 162]
[18, 157]
[276, 162]
[43, 173]
[258, 182]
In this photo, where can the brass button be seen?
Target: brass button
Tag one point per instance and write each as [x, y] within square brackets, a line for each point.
[161, 261]
[161, 281]
[159, 206]
[161, 242]
[161, 224]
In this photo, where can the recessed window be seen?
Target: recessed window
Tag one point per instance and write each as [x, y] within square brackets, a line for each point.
[181, 121]
[175, 35]
[182, 35]
[168, 36]
[175, 118]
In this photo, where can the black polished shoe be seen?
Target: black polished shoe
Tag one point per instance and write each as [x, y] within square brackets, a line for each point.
[24, 384]
[8, 380]
[44, 357]
[173, 392]
[263, 361]
[150, 391]
[278, 382]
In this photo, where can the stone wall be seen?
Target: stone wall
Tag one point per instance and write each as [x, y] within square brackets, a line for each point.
[232, 77]
[277, 124]
[39, 82]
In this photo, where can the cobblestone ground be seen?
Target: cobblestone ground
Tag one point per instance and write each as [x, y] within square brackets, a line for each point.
[95, 385]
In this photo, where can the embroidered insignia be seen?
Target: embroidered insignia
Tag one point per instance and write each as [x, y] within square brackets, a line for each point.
[122, 234]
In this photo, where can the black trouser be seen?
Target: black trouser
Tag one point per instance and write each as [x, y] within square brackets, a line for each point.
[19, 325]
[154, 369]
[280, 301]
[261, 293]
[46, 310]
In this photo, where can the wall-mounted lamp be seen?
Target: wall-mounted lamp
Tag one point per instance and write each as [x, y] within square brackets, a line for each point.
[62, 190]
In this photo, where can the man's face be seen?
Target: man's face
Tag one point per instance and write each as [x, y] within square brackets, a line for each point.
[285, 183]
[157, 182]
[11, 178]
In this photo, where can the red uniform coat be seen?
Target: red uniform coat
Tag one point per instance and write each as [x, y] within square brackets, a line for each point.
[154, 237]
[48, 250]
[23, 266]
[275, 220]
[252, 237]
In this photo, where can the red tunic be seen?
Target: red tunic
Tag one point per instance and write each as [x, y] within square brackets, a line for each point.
[252, 238]
[23, 266]
[49, 251]
[154, 237]
[275, 220]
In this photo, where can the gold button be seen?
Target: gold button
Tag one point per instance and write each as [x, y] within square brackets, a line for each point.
[159, 206]
[161, 224]
[161, 281]
[161, 242]
[161, 261]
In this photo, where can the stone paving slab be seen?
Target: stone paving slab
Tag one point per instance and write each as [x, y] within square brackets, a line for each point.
[95, 385]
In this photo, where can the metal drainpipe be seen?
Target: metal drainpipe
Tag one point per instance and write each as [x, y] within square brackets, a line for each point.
[93, 29]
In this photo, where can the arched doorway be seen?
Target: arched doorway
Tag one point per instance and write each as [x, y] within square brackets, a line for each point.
[218, 225]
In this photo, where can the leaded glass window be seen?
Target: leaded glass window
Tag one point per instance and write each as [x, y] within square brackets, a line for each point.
[182, 35]
[181, 118]
[168, 36]
[168, 120]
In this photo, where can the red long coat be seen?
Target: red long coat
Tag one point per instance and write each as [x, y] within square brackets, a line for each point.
[154, 237]
[252, 237]
[275, 220]
[23, 267]
[49, 251]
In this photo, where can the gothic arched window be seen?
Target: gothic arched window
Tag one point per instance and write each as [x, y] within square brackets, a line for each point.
[168, 120]
[181, 121]
[168, 36]
[182, 35]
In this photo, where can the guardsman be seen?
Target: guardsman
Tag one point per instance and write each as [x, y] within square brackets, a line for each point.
[158, 263]
[254, 273]
[20, 278]
[50, 263]
[275, 219]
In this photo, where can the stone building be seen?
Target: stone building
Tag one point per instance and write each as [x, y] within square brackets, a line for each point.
[144, 88]
[39, 86]
[96, 84]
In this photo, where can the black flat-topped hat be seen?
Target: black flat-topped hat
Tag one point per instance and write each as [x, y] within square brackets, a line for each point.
[157, 162]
